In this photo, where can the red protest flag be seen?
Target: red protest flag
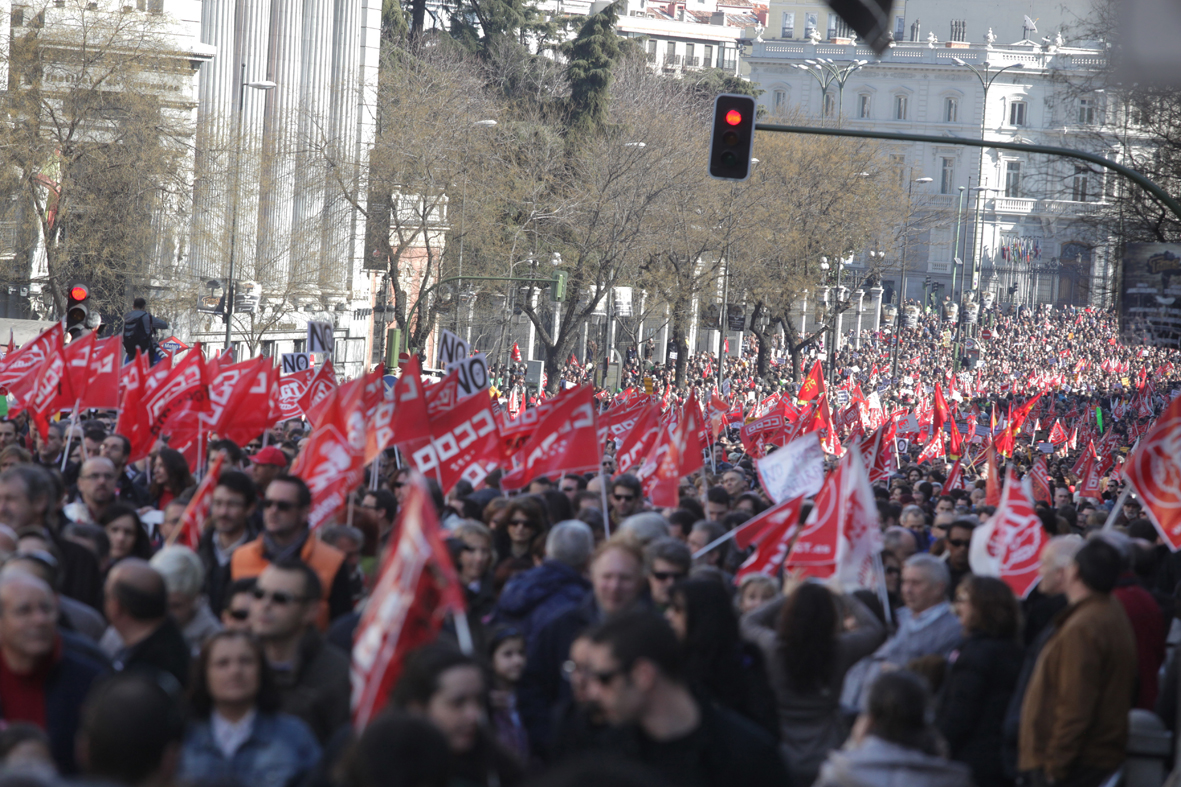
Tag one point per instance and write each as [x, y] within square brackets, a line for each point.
[464, 440]
[248, 412]
[291, 391]
[771, 532]
[185, 388]
[131, 417]
[566, 441]
[955, 477]
[1154, 472]
[676, 454]
[883, 453]
[516, 354]
[1009, 545]
[932, 450]
[992, 489]
[630, 452]
[942, 414]
[814, 553]
[328, 463]
[861, 532]
[106, 366]
[813, 384]
[188, 532]
[1040, 479]
[18, 373]
[1057, 434]
[323, 382]
[52, 391]
[415, 590]
[78, 354]
[411, 421]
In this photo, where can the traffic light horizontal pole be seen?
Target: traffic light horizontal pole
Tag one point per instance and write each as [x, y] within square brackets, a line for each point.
[422, 295]
[1129, 173]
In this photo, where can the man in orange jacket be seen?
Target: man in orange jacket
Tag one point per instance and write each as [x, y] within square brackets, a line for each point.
[285, 535]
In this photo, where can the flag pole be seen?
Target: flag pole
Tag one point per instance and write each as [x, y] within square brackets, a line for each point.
[879, 571]
[463, 633]
[70, 436]
[603, 490]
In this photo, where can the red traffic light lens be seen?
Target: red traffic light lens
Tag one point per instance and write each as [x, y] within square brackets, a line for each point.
[733, 117]
[79, 293]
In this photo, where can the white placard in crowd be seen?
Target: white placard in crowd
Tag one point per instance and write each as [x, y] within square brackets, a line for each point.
[473, 375]
[451, 349]
[795, 469]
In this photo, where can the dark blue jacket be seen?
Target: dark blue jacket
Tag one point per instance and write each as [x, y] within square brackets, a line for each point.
[544, 687]
[533, 598]
[66, 687]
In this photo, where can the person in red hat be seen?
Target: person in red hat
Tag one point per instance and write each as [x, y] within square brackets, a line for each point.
[267, 465]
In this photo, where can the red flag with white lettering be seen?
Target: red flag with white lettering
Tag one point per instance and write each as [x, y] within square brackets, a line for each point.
[814, 553]
[312, 401]
[416, 589]
[1009, 545]
[106, 366]
[18, 373]
[291, 391]
[188, 532]
[1040, 479]
[78, 354]
[861, 532]
[1154, 472]
[186, 388]
[52, 391]
[411, 421]
[328, 463]
[566, 441]
[464, 440]
[771, 532]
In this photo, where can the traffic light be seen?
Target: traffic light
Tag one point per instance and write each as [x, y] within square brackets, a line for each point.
[558, 292]
[393, 346]
[78, 310]
[733, 134]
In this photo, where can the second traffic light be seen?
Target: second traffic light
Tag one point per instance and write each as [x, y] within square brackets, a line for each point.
[77, 310]
[732, 137]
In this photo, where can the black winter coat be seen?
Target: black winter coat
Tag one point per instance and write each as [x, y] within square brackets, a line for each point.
[982, 674]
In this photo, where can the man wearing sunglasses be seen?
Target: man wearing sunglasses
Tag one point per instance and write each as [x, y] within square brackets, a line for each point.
[635, 676]
[312, 675]
[627, 497]
[959, 539]
[286, 536]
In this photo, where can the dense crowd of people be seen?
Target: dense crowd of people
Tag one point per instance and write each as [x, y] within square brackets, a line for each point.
[610, 642]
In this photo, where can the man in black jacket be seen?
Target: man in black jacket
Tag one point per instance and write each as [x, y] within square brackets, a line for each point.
[137, 608]
[636, 679]
[232, 512]
[139, 328]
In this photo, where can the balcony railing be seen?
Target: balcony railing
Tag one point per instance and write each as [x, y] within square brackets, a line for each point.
[672, 61]
[692, 62]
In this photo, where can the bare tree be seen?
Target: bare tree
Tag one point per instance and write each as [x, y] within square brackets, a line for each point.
[96, 145]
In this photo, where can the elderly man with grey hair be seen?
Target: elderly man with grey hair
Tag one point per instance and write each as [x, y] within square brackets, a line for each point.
[535, 597]
[927, 626]
[184, 577]
[645, 527]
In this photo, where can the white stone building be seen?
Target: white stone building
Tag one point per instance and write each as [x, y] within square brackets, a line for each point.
[304, 75]
[1035, 220]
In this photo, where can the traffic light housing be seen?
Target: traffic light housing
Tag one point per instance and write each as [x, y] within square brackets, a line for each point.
[558, 293]
[732, 138]
[77, 310]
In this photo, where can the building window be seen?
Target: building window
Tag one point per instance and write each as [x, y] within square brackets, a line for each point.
[951, 110]
[959, 30]
[1078, 184]
[707, 59]
[863, 106]
[651, 51]
[1013, 179]
[1086, 111]
[900, 107]
[1017, 113]
[689, 60]
[779, 107]
[809, 24]
[832, 26]
[298, 345]
[947, 179]
[267, 349]
[899, 28]
[789, 25]
[670, 53]
[830, 105]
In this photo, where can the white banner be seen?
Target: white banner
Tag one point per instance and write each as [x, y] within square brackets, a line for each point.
[793, 470]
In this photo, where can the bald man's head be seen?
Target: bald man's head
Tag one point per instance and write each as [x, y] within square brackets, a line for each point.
[138, 590]
[28, 619]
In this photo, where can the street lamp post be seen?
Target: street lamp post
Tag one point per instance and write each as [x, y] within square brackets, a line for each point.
[956, 259]
[825, 71]
[902, 288]
[986, 76]
[265, 84]
[976, 231]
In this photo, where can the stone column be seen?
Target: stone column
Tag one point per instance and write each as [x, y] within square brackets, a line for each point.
[860, 313]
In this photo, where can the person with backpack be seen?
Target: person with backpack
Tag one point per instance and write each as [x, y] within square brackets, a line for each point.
[139, 329]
